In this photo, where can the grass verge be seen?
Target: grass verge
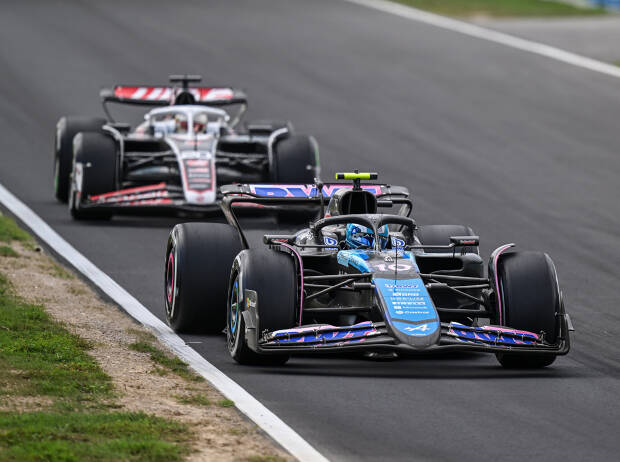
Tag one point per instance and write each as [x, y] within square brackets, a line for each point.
[501, 8]
[168, 362]
[47, 367]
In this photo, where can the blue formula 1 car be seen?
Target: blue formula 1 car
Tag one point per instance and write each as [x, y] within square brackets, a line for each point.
[360, 280]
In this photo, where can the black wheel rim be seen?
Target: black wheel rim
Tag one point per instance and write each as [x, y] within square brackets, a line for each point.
[233, 312]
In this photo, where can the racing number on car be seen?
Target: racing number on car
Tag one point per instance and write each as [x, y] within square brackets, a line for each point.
[382, 267]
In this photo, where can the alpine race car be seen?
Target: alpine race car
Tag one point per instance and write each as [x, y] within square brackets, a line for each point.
[359, 280]
[176, 159]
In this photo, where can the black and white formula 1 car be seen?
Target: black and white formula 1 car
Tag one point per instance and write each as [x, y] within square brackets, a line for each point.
[175, 160]
[360, 280]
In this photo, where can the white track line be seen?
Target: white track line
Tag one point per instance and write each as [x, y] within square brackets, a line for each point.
[492, 36]
[245, 402]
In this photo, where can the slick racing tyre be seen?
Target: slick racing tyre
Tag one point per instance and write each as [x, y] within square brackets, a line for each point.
[440, 235]
[198, 261]
[94, 167]
[295, 160]
[66, 129]
[273, 276]
[530, 299]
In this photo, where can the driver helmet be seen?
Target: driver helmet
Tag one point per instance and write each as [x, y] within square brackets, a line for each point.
[200, 123]
[180, 123]
[359, 236]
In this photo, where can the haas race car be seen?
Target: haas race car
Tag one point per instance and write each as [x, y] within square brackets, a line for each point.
[175, 160]
[360, 280]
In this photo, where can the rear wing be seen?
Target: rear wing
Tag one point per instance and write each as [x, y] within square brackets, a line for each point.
[317, 195]
[310, 192]
[144, 95]
[167, 95]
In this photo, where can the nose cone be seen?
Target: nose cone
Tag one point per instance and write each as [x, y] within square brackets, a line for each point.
[409, 311]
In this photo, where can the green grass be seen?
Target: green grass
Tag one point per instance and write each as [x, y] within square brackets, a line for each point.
[9, 231]
[226, 403]
[265, 459]
[171, 363]
[501, 8]
[6, 251]
[39, 358]
[199, 400]
[40, 436]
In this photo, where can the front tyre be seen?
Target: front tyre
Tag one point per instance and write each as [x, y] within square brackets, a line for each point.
[530, 298]
[273, 275]
[198, 261]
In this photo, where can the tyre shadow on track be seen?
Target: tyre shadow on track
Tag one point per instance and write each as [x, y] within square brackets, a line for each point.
[450, 366]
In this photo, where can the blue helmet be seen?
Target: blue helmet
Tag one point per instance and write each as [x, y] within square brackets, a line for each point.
[361, 236]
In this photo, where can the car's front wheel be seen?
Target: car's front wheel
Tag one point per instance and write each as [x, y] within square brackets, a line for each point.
[94, 168]
[272, 275]
[529, 300]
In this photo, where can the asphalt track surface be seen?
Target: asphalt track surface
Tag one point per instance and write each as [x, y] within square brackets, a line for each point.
[522, 148]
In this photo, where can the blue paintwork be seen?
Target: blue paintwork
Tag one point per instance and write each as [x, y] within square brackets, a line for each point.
[407, 306]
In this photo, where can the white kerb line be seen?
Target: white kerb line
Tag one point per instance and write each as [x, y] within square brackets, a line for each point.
[246, 403]
[483, 33]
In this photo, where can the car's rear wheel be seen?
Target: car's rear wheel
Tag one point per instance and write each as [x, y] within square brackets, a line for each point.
[66, 129]
[295, 160]
[530, 298]
[198, 261]
[440, 235]
[94, 167]
[273, 276]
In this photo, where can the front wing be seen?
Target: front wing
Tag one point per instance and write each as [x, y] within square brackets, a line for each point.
[375, 336]
[156, 198]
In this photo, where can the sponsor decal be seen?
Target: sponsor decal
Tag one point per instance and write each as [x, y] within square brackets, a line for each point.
[420, 330]
[492, 334]
[409, 306]
[330, 241]
[325, 334]
[198, 175]
[397, 242]
[303, 190]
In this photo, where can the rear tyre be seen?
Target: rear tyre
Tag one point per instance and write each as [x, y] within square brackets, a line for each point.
[94, 167]
[273, 276]
[198, 261]
[66, 129]
[295, 160]
[440, 235]
[530, 300]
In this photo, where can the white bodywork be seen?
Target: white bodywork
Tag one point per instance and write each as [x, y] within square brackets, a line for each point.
[195, 146]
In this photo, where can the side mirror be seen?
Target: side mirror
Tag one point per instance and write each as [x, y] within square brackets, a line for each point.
[461, 241]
